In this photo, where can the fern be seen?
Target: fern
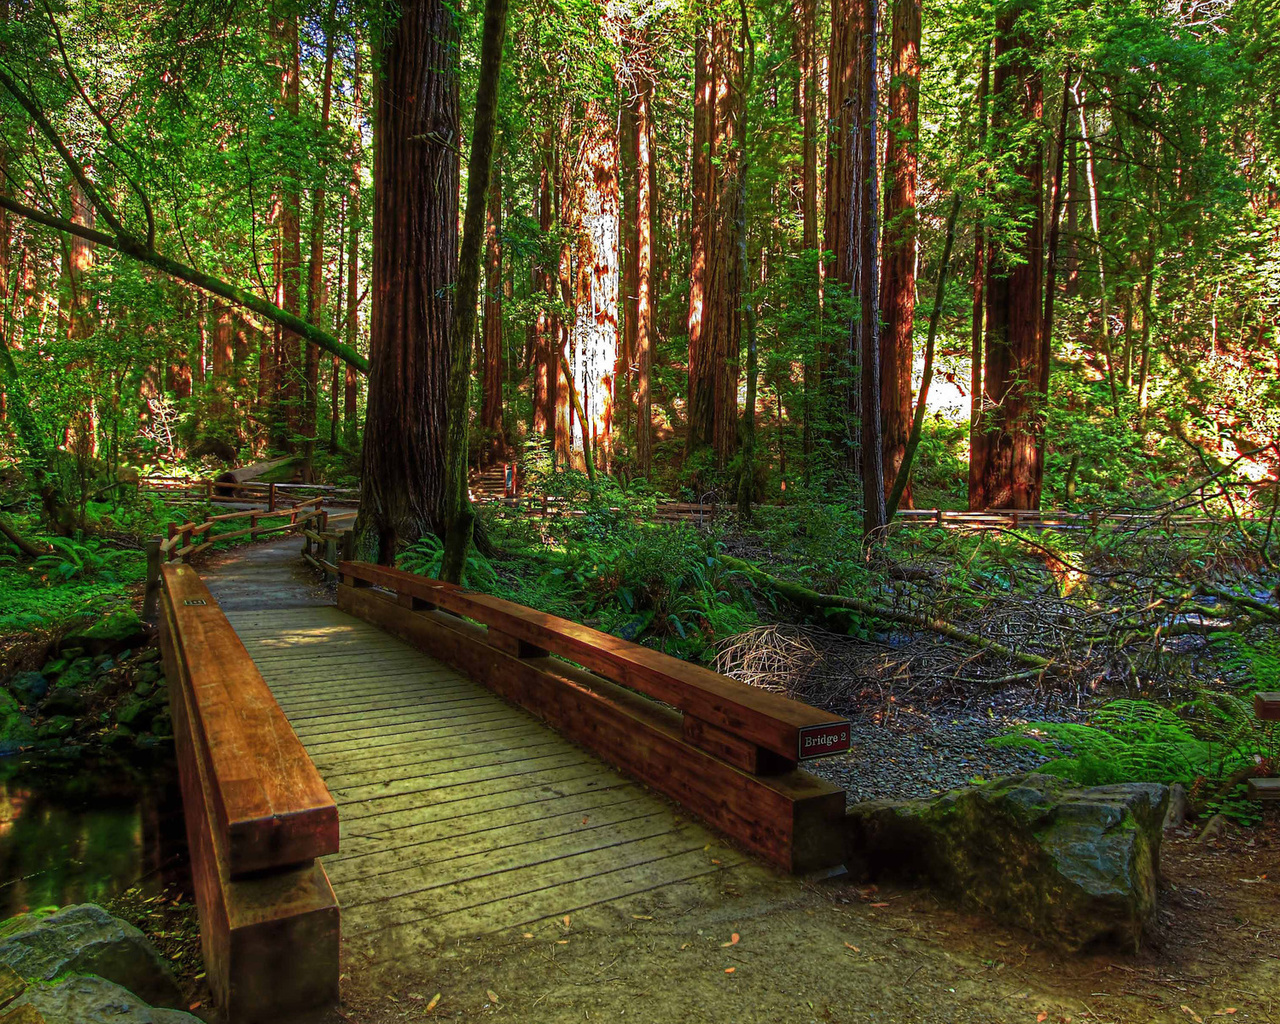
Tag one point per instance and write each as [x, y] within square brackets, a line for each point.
[1249, 665]
[1141, 741]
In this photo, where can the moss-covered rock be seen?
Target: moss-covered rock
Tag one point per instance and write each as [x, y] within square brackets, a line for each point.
[64, 700]
[1077, 867]
[85, 939]
[29, 688]
[16, 730]
[121, 629]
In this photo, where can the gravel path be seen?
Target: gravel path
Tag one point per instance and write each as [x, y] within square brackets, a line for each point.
[922, 755]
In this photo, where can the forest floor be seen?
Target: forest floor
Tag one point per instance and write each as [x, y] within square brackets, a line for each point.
[834, 952]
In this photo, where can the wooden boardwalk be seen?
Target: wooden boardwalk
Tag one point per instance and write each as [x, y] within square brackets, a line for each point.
[461, 815]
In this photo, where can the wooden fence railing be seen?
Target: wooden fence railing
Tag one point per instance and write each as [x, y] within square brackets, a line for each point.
[257, 814]
[187, 539]
[727, 751]
[273, 496]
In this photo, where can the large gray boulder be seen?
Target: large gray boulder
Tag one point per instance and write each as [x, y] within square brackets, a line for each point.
[85, 939]
[1077, 867]
[86, 999]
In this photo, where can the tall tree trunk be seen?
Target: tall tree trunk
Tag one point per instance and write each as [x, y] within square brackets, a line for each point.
[1055, 232]
[491, 377]
[402, 485]
[644, 266]
[898, 287]
[351, 389]
[594, 340]
[339, 318]
[977, 405]
[746, 309]
[546, 336]
[627, 138]
[864, 234]
[1104, 332]
[460, 519]
[835, 393]
[807, 110]
[700, 397]
[722, 331]
[82, 431]
[317, 298]
[1015, 277]
[290, 370]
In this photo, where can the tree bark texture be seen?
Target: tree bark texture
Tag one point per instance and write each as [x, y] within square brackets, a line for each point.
[898, 284]
[289, 357]
[492, 376]
[713, 363]
[644, 269]
[1011, 467]
[977, 405]
[594, 342]
[701, 190]
[317, 298]
[546, 335]
[416, 171]
[351, 382]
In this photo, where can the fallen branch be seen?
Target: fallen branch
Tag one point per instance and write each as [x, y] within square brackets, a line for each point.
[28, 548]
[807, 598]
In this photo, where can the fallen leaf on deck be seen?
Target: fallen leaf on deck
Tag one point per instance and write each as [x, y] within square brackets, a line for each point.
[528, 935]
[733, 940]
[730, 970]
[1192, 1014]
[879, 904]
[714, 861]
[194, 1006]
[1041, 1017]
[562, 942]
[493, 996]
[1223, 1013]
[642, 917]
[566, 920]
[852, 947]
[435, 1001]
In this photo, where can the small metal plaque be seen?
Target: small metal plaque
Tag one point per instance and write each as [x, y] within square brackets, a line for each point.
[195, 601]
[822, 740]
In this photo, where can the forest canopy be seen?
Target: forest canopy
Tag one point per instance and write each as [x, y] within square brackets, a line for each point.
[748, 250]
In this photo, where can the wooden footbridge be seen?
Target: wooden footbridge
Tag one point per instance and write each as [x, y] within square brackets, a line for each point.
[418, 763]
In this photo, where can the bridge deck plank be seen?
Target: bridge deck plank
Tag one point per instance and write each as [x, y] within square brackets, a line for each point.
[459, 814]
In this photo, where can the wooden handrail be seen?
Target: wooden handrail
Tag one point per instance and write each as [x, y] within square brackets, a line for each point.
[272, 806]
[786, 727]
[258, 816]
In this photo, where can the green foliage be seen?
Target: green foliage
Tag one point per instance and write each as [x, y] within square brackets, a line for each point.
[1214, 741]
[425, 556]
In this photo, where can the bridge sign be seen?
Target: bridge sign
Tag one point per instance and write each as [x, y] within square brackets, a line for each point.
[823, 740]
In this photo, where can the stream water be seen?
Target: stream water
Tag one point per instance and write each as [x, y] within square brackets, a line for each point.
[77, 832]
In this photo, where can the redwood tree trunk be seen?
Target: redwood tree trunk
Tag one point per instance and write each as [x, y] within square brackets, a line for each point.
[644, 269]
[1011, 467]
[834, 367]
[594, 341]
[351, 383]
[977, 435]
[898, 285]
[491, 391]
[702, 175]
[317, 298]
[546, 333]
[713, 358]
[416, 171]
[290, 351]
